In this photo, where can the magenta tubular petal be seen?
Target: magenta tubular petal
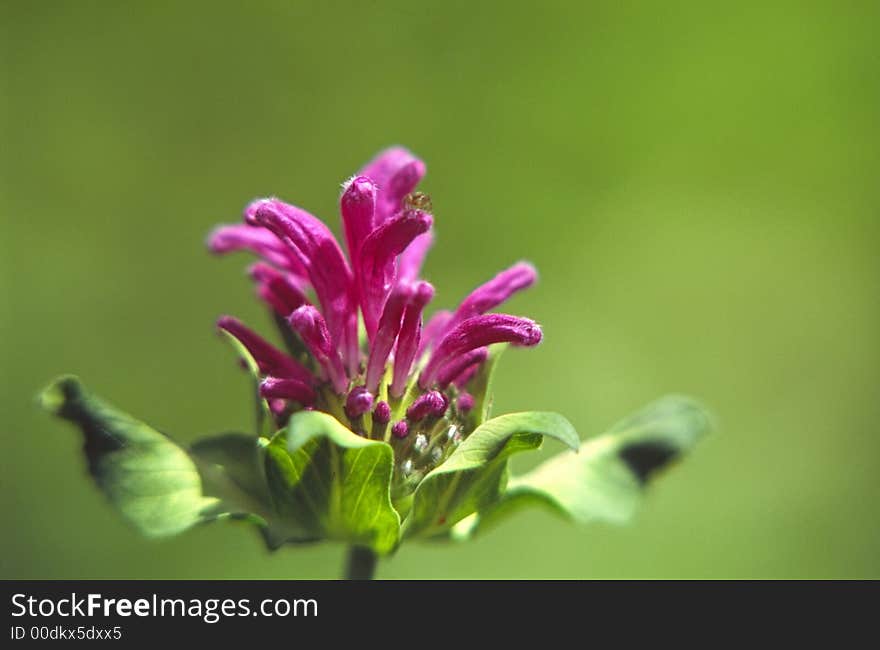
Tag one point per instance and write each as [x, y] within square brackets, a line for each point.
[292, 289]
[397, 172]
[409, 265]
[262, 242]
[382, 413]
[357, 205]
[276, 302]
[400, 429]
[433, 330]
[386, 334]
[466, 375]
[307, 321]
[292, 389]
[249, 214]
[430, 403]
[358, 402]
[385, 163]
[440, 409]
[313, 245]
[376, 267]
[465, 403]
[478, 332]
[271, 360]
[401, 183]
[276, 288]
[494, 292]
[459, 364]
[351, 345]
[408, 338]
[277, 406]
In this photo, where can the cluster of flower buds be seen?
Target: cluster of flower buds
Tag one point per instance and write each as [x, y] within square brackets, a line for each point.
[358, 345]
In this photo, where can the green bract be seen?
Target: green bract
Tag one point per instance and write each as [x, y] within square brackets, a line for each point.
[332, 483]
[315, 479]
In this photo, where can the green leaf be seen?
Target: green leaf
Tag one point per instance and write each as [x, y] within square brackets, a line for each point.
[232, 467]
[475, 475]
[333, 483]
[158, 486]
[240, 458]
[148, 478]
[606, 480]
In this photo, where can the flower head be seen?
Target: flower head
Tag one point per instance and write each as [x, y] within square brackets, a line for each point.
[359, 317]
[372, 421]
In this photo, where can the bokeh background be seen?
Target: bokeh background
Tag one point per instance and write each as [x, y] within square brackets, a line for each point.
[697, 184]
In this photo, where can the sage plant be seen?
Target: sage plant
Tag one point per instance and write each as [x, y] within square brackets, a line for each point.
[372, 421]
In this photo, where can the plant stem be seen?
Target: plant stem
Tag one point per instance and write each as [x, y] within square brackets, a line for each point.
[361, 564]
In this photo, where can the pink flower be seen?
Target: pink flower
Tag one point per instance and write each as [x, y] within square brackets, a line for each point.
[414, 373]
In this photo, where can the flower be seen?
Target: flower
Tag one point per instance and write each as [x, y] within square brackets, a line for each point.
[356, 320]
[372, 422]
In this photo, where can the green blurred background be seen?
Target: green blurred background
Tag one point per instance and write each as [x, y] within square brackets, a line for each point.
[698, 186]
